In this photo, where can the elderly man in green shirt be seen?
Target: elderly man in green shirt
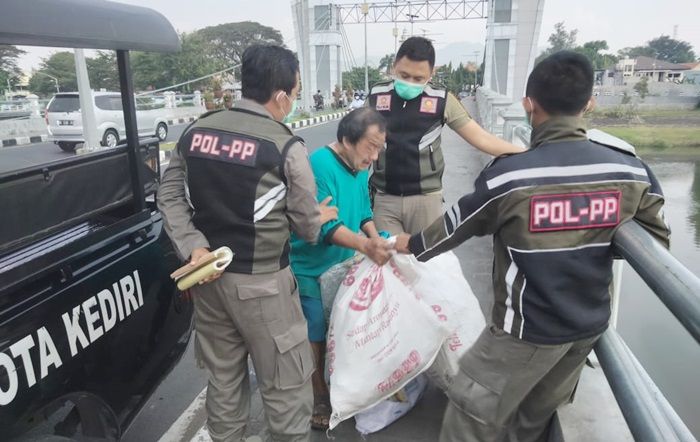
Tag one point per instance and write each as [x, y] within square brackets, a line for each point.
[341, 176]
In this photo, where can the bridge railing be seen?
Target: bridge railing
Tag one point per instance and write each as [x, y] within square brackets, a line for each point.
[647, 412]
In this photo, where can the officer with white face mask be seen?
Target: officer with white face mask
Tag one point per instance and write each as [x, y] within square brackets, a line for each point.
[408, 174]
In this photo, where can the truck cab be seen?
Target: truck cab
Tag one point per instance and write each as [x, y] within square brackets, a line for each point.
[90, 322]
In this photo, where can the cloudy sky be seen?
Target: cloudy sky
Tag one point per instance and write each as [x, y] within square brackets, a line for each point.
[621, 22]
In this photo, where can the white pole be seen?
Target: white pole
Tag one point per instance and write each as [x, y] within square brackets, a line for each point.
[87, 103]
[365, 11]
[618, 266]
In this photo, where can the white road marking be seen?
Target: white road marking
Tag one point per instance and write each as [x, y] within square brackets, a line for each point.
[178, 429]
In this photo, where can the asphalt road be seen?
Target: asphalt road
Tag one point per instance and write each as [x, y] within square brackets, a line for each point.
[20, 157]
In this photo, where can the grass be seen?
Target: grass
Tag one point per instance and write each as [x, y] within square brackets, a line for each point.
[667, 139]
[305, 115]
[644, 113]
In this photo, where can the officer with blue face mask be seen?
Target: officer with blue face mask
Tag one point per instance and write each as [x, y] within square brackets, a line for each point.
[407, 176]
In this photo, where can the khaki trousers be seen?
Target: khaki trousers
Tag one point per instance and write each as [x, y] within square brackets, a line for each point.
[508, 389]
[260, 315]
[410, 214]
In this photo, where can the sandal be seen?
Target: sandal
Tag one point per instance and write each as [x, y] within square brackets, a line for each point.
[321, 414]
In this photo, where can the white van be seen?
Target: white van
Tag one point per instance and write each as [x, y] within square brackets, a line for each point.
[65, 122]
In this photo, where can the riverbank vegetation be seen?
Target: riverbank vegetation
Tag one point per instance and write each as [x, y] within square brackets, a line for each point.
[656, 131]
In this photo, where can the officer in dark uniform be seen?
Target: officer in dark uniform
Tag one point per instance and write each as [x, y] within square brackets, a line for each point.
[553, 211]
[240, 178]
[408, 174]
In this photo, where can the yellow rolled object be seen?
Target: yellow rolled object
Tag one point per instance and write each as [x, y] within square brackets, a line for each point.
[223, 257]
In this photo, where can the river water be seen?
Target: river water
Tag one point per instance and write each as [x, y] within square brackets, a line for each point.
[665, 349]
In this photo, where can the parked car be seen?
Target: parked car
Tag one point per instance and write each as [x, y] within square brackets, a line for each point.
[65, 123]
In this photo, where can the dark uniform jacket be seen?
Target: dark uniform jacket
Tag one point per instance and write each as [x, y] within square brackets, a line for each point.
[240, 179]
[553, 211]
[412, 163]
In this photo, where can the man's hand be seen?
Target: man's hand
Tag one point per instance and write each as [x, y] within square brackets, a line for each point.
[377, 249]
[401, 244]
[197, 254]
[328, 213]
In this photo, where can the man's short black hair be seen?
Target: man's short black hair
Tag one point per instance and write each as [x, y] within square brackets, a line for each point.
[417, 49]
[265, 69]
[354, 125]
[561, 83]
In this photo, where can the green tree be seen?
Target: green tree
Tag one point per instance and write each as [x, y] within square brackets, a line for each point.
[102, 71]
[386, 63]
[593, 51]
[229, 40]
[60, 65]
[9, 71]
[559, 40]
[663, 48]
[642, 87]
[355, 78]
[195, 59]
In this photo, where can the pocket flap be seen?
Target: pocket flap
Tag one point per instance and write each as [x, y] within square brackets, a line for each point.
[292, 337]
[267, 288]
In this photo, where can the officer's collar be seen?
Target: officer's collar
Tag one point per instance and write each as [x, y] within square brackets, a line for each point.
[558, 128]
[253, 106]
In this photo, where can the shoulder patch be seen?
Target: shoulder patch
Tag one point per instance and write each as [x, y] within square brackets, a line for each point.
[575, 211]
[599, 137]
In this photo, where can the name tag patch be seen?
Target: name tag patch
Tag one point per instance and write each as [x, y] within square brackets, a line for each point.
[574, 211]
[428, 105]
[224, 147]
[383, 102]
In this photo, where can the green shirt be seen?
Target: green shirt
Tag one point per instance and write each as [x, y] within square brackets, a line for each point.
[350, 193]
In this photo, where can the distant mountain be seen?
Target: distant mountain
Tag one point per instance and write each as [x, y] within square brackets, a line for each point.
[459, 52]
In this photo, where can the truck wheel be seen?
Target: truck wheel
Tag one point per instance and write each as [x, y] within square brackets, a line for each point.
[66, 146]
[162, 131]
[110, 138]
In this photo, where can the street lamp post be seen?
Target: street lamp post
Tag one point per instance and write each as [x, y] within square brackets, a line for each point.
[55, 80]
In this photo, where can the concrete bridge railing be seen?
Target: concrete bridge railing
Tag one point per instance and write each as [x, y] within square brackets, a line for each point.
[501, 116]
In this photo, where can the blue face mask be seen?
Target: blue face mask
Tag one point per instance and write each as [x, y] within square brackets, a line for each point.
[407, 91]
[528, 116]
[290, 114]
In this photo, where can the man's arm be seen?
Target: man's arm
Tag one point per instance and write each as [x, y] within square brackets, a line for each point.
[458, 119]
[650, 211]
[370, 229]
[375, 248]
[305, 215]
[176, 210]
[475, 214]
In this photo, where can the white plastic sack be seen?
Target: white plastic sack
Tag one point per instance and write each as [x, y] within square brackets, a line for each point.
[388, 411]
[381, 336]
[441, 284]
